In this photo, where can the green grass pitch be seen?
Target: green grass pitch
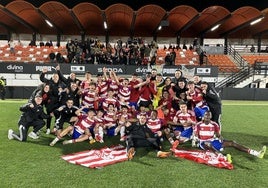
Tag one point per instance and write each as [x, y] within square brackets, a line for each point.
[35, 164]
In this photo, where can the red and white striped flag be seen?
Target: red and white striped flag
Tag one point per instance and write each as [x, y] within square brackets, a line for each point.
[98, 158]
[204, 157]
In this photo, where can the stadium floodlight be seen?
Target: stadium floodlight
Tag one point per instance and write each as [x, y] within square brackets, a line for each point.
[159, 28]
[215, 27]
[105, 25]
[49, 23]
[256, 21]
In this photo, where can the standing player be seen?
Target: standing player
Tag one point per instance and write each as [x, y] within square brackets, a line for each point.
[213, 100]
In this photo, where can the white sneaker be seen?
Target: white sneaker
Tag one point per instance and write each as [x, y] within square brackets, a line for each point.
[33, 135]
[48, 131]
[9, 135]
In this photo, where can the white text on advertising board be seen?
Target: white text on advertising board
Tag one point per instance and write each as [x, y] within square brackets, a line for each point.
[118, 70]
[16, 68]
[40, 68]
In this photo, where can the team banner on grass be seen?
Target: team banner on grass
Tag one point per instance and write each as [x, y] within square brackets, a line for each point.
[204, 157]
[98, 158]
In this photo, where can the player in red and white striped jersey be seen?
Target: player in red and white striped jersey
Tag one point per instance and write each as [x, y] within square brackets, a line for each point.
[99, 124]
[123, 116]
[81, 129]
[110, 99]
[184, 120]
[110, 120]
[124, 91]
[102, 85]
[113, 85]
[195, 97]
[85, 83]
[154, 123]
[90, 96]
[207, 133]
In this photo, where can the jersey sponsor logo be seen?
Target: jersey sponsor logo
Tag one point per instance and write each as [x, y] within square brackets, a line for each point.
[15, 68]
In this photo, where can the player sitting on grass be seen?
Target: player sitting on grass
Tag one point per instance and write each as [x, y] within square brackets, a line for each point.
[207, 134]
[139, 135]
[81, 129]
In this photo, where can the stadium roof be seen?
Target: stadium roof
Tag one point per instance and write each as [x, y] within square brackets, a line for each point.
[184, 18]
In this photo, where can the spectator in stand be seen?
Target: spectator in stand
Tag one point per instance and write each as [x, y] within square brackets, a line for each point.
[202, 58]
[195, 43]
[32, 43]
[12, 45]
[41, 44]
[168, 60]
[184, 47]
[173, 56]
[252, 49]
[52, 57]
[59, 58]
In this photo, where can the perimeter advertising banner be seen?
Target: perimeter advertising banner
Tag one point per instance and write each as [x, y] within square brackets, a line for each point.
[80, 69]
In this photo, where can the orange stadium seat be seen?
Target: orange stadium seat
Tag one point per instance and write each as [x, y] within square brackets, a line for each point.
[224, 63]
